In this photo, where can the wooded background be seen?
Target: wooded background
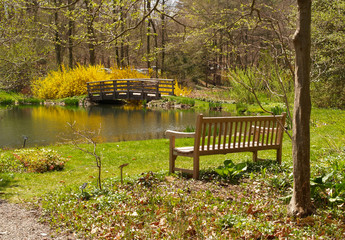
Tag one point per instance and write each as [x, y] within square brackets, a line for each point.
[196, 42]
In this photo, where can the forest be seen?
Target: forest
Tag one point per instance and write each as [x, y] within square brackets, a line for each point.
[196, 42]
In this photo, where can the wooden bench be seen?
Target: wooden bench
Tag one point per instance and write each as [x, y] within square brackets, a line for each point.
[222, 135]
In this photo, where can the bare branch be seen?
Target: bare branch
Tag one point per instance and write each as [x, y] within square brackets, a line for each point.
[135, 26]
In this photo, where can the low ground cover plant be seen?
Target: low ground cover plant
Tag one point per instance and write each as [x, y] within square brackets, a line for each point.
[158, 206]
[32, 160]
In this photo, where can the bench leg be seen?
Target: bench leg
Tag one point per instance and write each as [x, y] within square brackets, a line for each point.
[255, 156]
[172, 160]
[196, 167]
[172, 157]
[279, 155]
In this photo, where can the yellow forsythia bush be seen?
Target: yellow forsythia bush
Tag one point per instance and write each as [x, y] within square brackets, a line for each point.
[181, 90]
[72, 82]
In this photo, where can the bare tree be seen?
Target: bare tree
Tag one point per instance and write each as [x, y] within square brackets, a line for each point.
[88, 137]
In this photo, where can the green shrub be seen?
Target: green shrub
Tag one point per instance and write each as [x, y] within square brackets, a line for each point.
[231, 171]
[190, 129]
[214, 105]
[39, 160]
[328, 186]
[277, 110]
[32, 101]
[6, 101]
[9, 164]
[187, 101]
[241, 108]
[71, 101]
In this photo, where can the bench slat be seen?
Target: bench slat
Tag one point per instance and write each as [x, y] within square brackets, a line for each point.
[225, 134]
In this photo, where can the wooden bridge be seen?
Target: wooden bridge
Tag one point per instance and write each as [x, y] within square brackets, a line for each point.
[130, 89]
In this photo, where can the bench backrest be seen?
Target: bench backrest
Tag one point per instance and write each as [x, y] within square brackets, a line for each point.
[219, 134]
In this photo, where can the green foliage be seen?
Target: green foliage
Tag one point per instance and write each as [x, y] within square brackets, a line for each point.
[241, 108]
[37, 160]
[231, 171]
[278, 110]
[213, 105]
[241, 81]
[328, 53]
[187, 101]
[190, 129]
[6, 101]
[328, 186]
[31, 101]
[8, 163]
[230, 221]
[71, 101]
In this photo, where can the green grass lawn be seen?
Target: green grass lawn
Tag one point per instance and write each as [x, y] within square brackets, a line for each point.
[142, 156]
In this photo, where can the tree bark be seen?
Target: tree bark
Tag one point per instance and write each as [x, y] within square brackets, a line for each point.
[300, 204]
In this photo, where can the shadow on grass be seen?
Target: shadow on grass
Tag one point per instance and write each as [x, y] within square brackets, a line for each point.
[6, 181]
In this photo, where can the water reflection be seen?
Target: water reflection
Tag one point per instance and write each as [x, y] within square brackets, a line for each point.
[45, 125]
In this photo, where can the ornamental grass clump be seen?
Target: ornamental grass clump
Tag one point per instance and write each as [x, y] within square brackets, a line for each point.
[72, 82]
[39, 160]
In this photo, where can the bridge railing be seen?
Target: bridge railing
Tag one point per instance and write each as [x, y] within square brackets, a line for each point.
[132, 89]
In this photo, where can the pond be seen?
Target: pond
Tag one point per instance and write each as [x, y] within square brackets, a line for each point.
[45, 125]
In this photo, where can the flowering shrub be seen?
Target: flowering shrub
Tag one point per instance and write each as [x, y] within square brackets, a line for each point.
[72, 82]
[181, 90]
[39, 160]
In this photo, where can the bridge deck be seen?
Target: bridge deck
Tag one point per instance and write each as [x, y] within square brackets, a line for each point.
[130, 89]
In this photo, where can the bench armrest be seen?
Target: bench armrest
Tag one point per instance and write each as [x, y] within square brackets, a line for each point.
[170, 133]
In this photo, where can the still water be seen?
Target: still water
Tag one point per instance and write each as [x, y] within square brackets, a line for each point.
[44, 125]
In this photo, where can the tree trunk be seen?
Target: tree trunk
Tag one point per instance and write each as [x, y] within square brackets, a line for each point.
[148, 35]
[117, 54]
[163, 39]
[122, 48]
[57, 42]
[300, 204]
[90, 32]
[70, 36]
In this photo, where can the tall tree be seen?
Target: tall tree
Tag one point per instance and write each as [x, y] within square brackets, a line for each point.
[70, 33]
[91, 13]
[163, 29]
[57, 40]
[148, 35]
[300, 204]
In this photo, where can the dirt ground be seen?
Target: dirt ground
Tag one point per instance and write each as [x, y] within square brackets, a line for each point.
[19, 223]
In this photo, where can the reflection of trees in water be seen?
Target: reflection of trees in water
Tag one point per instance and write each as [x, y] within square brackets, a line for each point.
[48, 124]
